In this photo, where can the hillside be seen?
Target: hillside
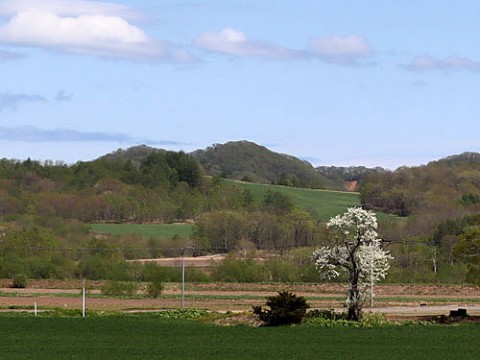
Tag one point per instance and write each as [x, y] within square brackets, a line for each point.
[136, 154]
[349, 177]
[464, 158]
[450, 185]
[324, 203]
[247, 161]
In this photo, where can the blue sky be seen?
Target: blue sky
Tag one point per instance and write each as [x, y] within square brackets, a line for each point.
[373, 83]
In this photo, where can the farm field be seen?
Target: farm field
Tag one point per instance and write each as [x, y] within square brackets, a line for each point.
[324, 202]
[150, 230]
[147, 337]
[392, 300]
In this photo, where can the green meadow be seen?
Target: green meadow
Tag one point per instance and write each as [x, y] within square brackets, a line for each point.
[325, 203]
[148, 337]
[150, 230]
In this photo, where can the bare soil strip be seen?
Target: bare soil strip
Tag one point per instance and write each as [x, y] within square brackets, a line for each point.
[189, 261]
[393, 300]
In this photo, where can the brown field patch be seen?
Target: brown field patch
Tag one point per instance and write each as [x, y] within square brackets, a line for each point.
[394, 300]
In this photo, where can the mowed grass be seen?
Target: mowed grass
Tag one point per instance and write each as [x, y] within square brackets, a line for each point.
[325, 203]
[150, 230]
[147, 337]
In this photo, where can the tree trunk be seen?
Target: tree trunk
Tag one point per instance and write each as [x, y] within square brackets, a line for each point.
[354, 299]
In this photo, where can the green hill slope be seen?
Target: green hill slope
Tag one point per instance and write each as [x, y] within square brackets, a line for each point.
[324, 203]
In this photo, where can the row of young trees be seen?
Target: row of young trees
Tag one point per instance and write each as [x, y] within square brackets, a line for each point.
[224, 231]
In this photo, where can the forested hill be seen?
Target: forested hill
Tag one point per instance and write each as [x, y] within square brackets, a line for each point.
[350, 177]
[135, 154]
[244, 160]
[450, 186]
[247, 161]
[465, 158]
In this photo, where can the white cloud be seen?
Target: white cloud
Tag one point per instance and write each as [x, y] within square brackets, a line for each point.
[428, 63]
[235, 43]
[341, 50]
[82, 27]
[69, 8]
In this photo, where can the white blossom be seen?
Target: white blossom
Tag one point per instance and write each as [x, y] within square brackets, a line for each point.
[357, 253]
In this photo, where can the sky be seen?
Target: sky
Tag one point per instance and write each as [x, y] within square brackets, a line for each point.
[334, 82]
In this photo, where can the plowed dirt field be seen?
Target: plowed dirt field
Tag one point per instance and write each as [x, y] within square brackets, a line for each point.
[395, 300]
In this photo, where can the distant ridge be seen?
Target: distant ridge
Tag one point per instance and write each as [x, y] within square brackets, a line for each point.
[135, 154]
[466, 157]
[349, 177]
[247, 161]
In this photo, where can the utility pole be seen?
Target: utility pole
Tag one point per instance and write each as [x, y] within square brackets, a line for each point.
[183, 278]
[183, 275]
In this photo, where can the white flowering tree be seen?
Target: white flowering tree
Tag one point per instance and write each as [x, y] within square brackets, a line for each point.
[357, 252]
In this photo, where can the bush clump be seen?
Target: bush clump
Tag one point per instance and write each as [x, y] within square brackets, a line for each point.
[119, 288]
[154, 288]
[19, 281]
[285, 309]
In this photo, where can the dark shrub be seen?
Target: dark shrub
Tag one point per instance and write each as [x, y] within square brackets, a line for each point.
[154, 288]
[154, 277]
[19, 281]
[285, 309]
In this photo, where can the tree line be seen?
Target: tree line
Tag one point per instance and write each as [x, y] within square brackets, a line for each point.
[439, 206]
[433, 238]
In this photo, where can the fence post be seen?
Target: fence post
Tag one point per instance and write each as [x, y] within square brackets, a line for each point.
[83, 302]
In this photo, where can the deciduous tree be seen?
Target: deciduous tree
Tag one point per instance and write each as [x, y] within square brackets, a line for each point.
[357, 252]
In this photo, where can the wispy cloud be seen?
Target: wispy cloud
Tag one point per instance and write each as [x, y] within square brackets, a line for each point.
[235, 43]
[35, 134]
[83, 27]
[63, 96]
[333, 49]
[341, 50]
[11, 101]
[451, 63]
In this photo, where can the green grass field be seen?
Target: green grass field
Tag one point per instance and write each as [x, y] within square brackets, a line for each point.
[147, 337]
[151, 230]
[325, 203]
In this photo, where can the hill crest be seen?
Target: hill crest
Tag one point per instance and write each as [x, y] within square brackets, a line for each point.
[247, 161]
